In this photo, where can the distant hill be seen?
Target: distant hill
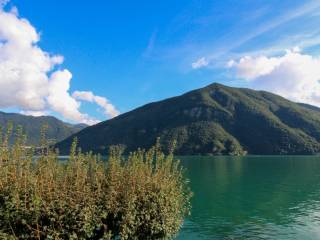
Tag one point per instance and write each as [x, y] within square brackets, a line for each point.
[57, 130]
[212, 120]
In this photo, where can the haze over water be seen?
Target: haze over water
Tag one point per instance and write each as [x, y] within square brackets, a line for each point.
[254, 197]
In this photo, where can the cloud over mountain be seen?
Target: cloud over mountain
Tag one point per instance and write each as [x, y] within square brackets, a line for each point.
[293, 75]
[30, 79]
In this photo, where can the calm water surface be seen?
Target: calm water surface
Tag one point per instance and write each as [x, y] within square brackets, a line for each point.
[253, 198]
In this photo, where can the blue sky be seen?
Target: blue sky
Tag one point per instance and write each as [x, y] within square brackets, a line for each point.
[135, 52]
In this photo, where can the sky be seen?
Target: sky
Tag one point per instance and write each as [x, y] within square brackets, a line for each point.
[87, 61]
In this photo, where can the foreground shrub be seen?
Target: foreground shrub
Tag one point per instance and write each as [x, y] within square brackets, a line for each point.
[144, 196]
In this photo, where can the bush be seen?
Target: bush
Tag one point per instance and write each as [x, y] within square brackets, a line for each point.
[142, 196]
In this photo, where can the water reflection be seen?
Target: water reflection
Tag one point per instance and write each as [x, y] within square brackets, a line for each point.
[254, 198]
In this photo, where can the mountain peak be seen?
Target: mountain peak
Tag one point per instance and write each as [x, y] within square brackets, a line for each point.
[216, 119]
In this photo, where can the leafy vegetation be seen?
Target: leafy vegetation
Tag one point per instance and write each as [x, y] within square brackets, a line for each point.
[213, 120]
[144, 196]
[56, 131]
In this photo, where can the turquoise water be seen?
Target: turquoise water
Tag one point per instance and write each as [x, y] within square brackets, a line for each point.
[253, 198]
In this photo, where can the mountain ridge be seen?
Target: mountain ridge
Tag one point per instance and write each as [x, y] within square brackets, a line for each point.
[216, 120]
[31, 125]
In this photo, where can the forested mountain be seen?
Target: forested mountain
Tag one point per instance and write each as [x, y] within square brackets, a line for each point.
[56, 130]
[212, 120]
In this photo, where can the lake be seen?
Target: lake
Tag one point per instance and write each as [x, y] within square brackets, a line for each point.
[253, 197]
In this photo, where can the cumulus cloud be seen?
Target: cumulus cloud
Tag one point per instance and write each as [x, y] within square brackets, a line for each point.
[293, 75]
[250, 68]
[29, 78]
[200, 63]
[109, 109]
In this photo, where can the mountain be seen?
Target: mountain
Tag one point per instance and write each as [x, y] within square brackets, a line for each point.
[212, 120]
[57, 130]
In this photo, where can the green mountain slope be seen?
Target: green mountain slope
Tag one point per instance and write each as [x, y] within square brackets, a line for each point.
[212, 120]
[57, 130]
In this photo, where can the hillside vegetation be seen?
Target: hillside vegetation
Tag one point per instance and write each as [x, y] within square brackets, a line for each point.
[56, 129]
[212, 120]
[144, 196]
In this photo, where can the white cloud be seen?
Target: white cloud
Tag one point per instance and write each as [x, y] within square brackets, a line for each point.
[296, 49]
[293, 75]
[250, 68]
[34, 113]
[109, 109]
[217, 49]
[29, 79]
[60, 100]
[200, 63]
